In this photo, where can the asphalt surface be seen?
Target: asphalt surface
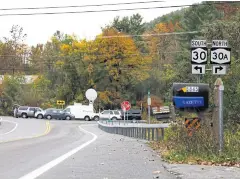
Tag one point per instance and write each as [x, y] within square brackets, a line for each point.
[108, 157]
[72, 152]
[18, 128]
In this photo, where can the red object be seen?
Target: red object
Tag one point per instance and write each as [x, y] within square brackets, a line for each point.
[125, 105]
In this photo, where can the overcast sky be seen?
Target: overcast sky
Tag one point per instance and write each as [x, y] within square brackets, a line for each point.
[39, 28]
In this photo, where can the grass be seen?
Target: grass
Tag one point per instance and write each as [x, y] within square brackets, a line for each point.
[200, 148]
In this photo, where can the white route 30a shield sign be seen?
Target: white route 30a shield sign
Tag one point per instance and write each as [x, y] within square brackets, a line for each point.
[220, 55]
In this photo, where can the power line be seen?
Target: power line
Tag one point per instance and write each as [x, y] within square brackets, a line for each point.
[148, 35]
[111, 10]
[98, 55]
[89, 5]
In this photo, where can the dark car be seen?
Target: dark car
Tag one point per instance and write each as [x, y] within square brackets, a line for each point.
[132, 114]
[58, 114]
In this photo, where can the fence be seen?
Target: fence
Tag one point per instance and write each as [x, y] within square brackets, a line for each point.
[151, 132]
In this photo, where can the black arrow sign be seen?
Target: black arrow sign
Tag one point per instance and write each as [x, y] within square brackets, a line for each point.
[220, 68]
[198, 68]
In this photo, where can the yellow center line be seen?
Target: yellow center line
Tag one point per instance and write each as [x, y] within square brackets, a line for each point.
[47, 130]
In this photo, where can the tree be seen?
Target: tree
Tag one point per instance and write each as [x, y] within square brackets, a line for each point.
[122, 63]
[132, 25]
[229, 30]
[13, 51]
[160, 47]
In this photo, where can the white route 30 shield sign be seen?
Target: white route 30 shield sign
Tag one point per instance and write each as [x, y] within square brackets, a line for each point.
[199, 55]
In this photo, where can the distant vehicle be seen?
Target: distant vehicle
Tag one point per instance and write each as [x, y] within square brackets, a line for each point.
[39, 113]
[161, 113]
[110, 114]
[132, 114]
[80, 111]
[26, 111]
[58, 114]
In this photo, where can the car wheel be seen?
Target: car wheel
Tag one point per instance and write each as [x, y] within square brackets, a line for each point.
[96, 118]
[39, 116]
[49, 117]
[114, 119]
[24, 115]
[68, 118]
[87, 118]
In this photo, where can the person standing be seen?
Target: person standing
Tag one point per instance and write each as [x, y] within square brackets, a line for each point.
[15, 112]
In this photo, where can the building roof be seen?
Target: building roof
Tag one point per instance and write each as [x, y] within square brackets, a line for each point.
[28, 79]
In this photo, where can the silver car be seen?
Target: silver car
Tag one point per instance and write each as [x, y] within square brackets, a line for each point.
[26, 111]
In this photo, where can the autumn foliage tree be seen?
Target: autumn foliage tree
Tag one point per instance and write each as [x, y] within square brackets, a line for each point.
[122, 63]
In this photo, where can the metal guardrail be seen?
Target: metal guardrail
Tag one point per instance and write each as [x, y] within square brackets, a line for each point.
[151, 132]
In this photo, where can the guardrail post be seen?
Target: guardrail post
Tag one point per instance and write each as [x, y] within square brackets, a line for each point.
[148, 133]
[144, 133]
[135, 132]
[162, 132]
[152, 134]
[157, 134]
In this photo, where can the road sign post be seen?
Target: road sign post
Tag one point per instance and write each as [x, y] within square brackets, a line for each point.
[149, 105]
[61, 103]
[220, 58]
[126, 106]
[221, 89]
[199, 56]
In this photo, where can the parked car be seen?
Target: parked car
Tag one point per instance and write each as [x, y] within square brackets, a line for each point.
[53, 113]
[132, 114]
[26, 111]
[67, 115]
[39, 113]
[110, 114]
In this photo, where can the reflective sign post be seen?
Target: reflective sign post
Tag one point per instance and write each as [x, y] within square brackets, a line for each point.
[149, 104]
[126, 106]
[124, 112]
[221, 88]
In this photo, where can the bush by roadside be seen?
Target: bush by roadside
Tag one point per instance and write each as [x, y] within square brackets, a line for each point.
[200, 148]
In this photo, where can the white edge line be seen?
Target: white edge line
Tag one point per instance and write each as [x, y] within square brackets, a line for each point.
[44, 168]
[15, 127]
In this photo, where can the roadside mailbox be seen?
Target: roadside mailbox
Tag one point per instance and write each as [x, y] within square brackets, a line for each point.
[191, 96]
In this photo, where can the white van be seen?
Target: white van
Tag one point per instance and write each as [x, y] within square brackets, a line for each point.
[80, 111]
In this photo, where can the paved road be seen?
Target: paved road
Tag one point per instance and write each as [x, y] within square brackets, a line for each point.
[18, 128]
[72, 152]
